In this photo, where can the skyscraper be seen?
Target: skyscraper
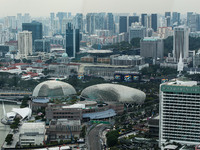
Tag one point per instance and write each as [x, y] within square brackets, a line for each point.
[25, 44]
[132, 19]
[176, 18]
[110, 21]
[193, 21]
[60, 16]
[181, 42]
[90, 18]
[79, 21]
[167, 14]
[35, 28]
[136, 31]
[122, 24]
[42, 45]
[154, 22]
[143, 19]
[152, 47]
[72, 40]
[52, 17]
[179, 112]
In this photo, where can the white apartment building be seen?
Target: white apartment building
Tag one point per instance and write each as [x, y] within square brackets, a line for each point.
[179, 112]
[25, 44]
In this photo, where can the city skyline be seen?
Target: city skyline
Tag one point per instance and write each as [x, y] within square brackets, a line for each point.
[10, 7]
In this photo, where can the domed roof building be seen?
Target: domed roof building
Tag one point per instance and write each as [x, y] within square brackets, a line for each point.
[113, 93]
[53, 88]
[64, 55]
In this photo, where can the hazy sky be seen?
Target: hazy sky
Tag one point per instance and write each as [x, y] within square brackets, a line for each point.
[38, 8]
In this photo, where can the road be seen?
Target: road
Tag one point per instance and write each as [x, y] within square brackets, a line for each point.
[94, 137]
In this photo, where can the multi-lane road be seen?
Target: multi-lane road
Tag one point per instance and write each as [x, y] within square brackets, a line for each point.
[95, 140]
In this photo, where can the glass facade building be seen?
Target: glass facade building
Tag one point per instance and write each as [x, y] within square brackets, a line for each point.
[35, 28]
[72, 40]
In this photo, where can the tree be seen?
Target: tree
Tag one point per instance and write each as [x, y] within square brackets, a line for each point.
[9, 139]
[112, 138]
[24, 102]
[83, 131]
[135, 42]
[24, 60]
[17, 60]
[15, 124]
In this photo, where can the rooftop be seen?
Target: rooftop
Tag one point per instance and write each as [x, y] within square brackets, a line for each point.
[66, 122]
[38, 127]
[100, 115]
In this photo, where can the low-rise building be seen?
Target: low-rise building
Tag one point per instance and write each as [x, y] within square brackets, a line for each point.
[127, 60]
[64, 129]
[32, 133]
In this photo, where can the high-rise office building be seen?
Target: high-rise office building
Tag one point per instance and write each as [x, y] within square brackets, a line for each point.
[79, 21]
[122, 24]
[25, 44]
[167, 14]
[72, 40]
[61, 16]
[179, 112]
[193, 21]
[110, 22]
[152, 47]
[143, 19]
[52, 17]
[154, 22]
[42, 45]
[136, 31]
[189, 14]
[90, 19]
[176, 18]
[35, 28]
[181, 42]
[19, 21]
[168, 19]
[26, 18]
[148, 21]
[132, 19]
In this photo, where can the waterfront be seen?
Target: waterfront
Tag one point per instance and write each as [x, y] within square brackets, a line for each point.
[4, 129]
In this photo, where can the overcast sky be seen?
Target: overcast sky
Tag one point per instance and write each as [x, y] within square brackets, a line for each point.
[38, 8]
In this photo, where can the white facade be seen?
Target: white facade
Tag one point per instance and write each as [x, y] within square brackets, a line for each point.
[179, 112]
[165, 32]
[32, 133]
[181, 42]
[136, 31]
[25, 44]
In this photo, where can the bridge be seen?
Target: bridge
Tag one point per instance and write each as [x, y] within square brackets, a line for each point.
[9, 94]
[11, 101]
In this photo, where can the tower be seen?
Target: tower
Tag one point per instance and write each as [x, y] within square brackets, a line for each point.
[154, 22]
[25, 44]
[72, 40]
[179, 111]
[181, 42]
[35, 28]
[122, 24]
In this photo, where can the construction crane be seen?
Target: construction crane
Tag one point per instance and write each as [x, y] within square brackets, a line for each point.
[71, 134]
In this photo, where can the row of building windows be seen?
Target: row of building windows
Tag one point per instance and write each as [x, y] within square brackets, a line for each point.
[190, 139]
[180, 94]
[180, 131]
[27, 139]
